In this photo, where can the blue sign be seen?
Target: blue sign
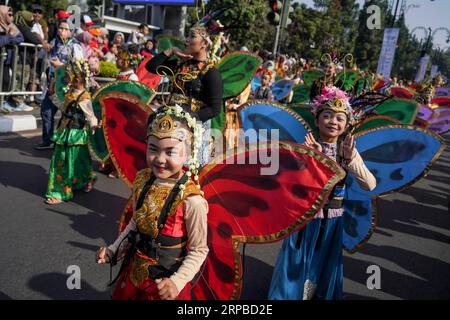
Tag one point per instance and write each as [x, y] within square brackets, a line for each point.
[158, 2]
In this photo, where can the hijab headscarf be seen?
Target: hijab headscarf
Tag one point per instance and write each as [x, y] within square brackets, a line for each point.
[85, 39]
[123, 38]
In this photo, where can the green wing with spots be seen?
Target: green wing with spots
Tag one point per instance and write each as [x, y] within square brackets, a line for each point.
[97, 141]
[309, 76]
[237, 70]
[402, 110]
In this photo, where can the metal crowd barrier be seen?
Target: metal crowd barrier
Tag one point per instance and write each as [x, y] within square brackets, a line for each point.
[14, 88]
[20, 54]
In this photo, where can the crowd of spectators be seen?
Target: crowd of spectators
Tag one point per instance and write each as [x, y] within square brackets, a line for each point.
[55, 40]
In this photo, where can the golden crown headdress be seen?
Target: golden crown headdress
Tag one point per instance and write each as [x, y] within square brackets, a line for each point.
[166, 126]
[174, 122]
[77, 70]
[124, 55]
[334, 99]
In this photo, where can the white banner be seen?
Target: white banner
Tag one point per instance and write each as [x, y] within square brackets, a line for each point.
[388, 52]
[434, 71]
[422, 68]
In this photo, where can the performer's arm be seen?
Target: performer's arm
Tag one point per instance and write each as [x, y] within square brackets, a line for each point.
[120, 243]
[213, 89]
[363, 176]
[161, 59]
[195, 215]
[86, 106]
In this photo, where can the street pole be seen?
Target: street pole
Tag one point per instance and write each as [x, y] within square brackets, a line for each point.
[284, 19]
[277, 36]
[395, 14]
[428, 40]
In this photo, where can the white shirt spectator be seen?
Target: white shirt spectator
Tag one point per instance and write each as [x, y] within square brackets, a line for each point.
[37, 28]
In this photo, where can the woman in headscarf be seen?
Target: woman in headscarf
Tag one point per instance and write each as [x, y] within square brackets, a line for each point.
[148, 51]
[85, 39]
[119, 39]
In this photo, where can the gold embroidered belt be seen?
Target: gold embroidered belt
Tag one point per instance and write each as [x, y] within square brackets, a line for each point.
[180, 99]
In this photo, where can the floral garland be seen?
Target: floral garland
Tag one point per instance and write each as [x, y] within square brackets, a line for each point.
[193, 164]
[75, 70]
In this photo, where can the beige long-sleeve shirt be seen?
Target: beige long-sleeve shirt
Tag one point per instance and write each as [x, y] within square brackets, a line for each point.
[359, 170]
[195, 216]
[88, 110]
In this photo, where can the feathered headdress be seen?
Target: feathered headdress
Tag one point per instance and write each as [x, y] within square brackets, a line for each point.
[356, 109]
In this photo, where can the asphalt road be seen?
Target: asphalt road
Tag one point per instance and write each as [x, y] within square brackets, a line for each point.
[39, 242]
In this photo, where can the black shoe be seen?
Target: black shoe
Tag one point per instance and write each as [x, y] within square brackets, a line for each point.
[44, 146]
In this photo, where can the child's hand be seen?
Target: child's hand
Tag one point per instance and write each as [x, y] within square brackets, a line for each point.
[348, 148]
[103, 255]
[93, 129]
[167, 289]
[311, 142]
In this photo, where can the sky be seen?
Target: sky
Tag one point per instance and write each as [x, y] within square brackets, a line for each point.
[430, 14]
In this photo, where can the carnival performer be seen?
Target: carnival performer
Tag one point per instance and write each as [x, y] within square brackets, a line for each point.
[197, 84]
[427, 89]
[165, 242]
[264, 91]
[309, 264]
[327, 80]
[71, 165]
[124, 64]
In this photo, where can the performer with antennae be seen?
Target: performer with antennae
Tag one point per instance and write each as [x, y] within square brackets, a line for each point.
[309, 264]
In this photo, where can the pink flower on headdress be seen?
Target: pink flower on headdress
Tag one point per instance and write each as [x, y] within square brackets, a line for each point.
[330, 93]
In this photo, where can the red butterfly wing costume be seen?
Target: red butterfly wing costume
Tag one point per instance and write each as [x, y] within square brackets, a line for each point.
[246, 204]
[151, 80]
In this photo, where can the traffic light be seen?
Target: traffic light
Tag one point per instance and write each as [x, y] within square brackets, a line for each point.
[274, 16]
[287, 10]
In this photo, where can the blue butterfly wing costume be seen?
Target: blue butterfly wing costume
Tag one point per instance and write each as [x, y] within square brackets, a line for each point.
[397, 155]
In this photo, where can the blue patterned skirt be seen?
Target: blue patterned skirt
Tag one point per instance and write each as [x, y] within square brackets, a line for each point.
[309, 264]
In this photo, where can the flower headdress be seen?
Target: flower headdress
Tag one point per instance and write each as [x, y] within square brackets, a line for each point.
[124, 55]
[202, 32]
[334, 99]
[267, 72]
[173, 122]
[77, 70]
[356, 109]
